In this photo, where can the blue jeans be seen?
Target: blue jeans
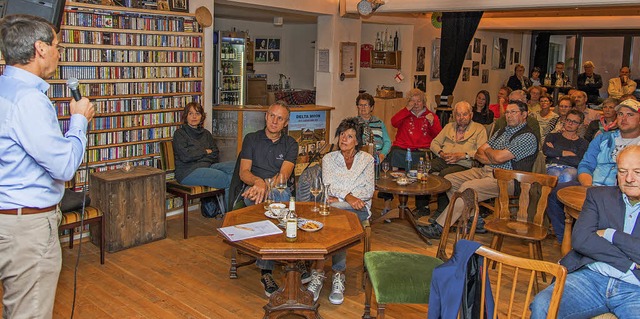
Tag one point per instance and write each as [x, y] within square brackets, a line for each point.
[563, 172]
[277, 197]
[217, 175]
[339, 259]
[555, 209]
[588, 294]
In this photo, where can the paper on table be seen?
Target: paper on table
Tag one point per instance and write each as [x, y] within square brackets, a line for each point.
[250, 230]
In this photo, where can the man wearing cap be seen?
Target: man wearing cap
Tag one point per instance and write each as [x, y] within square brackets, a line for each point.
[621, 85]
[598, 166]
[590, 83]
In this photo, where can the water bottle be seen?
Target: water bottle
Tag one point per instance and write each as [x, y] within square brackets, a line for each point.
[409, 160]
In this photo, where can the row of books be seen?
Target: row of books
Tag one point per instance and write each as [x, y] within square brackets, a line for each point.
[111, 122]
[129, 39]
[103, 106]
[125, 88]
[120, 137]
[173, 202]
[122, 152]
[129, 21]
[130, 56]
[128, 72]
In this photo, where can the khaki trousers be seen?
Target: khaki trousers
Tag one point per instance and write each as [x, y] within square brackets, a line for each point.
[30, 262]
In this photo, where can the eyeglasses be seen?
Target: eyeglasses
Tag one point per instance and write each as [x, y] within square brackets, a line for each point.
[363, 105]
[511, 112]
[572, 122]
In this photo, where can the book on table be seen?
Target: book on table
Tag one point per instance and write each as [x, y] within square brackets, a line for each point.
[249, 230]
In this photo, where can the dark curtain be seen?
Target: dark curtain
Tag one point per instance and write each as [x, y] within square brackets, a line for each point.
[541, 55]
[458, 29]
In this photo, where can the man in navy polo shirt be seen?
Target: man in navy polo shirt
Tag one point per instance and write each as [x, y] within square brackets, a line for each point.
[265, 154]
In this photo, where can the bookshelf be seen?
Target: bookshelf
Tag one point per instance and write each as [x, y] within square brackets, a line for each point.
[139, 67]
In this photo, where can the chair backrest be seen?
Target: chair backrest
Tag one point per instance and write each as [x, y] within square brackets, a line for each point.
[526, 180]
[167, 159]
[303, 187]
[449, 100]
[469, 198]
[510, 279]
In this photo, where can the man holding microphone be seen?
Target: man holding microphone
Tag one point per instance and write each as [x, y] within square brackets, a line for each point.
[35, 161]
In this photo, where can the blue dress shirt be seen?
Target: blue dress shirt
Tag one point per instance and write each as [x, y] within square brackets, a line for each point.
[35, 158]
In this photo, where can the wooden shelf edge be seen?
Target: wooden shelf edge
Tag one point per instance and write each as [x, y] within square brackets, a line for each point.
[127, 9]
[60, 81]
[131, 96]
[97, 147]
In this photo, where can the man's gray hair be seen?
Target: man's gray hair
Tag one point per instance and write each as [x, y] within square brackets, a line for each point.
[19, 33]
[518, 95]
[463, 103]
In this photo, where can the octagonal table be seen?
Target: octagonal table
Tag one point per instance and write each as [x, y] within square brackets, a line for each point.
[341, 230]
[573, 198]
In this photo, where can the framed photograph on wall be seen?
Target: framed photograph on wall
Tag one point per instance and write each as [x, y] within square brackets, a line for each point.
[267, 50]
[483, 60]
[348, 58]
[476, 45]
[435, 60]
[179, 5]
[466, 72]
[485, 75]
[421, 57]
[420, 82]
[499, 53]
[475, 68]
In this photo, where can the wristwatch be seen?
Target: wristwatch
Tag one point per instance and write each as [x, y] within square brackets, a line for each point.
[466, 156]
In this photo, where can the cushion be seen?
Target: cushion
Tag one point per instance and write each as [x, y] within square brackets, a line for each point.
[398, 277]
[74, 216]
[191, 190]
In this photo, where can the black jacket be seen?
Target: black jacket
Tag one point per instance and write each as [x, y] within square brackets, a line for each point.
[189, 149]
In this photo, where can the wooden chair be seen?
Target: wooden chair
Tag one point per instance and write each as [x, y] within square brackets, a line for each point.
[469, 198]
[444, 112]
[186, 192]
[521, 225]
[511, 276]
[92, 216]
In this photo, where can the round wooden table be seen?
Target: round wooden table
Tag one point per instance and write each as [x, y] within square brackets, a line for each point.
[342, 229]
[434, 185]
[573, 198]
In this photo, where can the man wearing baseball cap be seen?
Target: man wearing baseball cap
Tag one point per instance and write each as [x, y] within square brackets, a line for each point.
[598, 166]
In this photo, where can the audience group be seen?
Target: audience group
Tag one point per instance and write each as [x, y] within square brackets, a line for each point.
[579, 145]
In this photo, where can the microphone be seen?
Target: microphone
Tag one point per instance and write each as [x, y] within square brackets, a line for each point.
[73, 83]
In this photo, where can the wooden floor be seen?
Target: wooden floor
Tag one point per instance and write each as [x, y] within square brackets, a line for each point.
[178, 278]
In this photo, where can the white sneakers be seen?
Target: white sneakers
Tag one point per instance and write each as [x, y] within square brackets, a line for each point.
[337, 289]
[315, 285]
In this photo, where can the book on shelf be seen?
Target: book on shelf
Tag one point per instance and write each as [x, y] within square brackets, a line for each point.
[250, 230]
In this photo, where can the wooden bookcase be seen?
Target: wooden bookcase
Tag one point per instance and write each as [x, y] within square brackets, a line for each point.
[139, 67]
[386, 60]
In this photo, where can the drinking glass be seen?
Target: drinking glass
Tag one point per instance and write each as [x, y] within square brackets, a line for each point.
[427, 167]
[281, 183]
[316, 188]
[268, 197]
[385, 168]
[324, 207]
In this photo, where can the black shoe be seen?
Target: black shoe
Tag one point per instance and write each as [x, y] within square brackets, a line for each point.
[270, 285]
[304, 271]
[422, 211]
[435, 216]
[433, 231]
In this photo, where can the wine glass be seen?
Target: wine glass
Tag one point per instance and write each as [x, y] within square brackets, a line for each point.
[281, 183]
[427, 167]
[385, 168]
[268, 197]
[316, 189]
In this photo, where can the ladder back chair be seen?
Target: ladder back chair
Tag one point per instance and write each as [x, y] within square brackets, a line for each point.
[92, 216]
[521, 225]
[185, 192]
[512, 276]
[463, 229]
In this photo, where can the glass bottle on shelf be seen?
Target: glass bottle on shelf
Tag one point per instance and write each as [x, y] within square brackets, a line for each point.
[396, 42]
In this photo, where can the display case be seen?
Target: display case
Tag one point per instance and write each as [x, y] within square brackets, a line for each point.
[386, 59]
[308, 124]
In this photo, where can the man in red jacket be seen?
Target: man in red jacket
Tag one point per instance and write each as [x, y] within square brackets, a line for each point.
[416, 127]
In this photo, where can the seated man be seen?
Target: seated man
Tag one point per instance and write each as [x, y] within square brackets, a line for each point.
[598, 166]
[580, 99]
[604, 275]
[513, 147]
[417, 126]
[622, 84]
[532, 122]
[266, 154]
[590, 83]
[456, 146]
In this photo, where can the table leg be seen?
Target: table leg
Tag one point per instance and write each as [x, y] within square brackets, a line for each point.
[292, 298]
[568, 227]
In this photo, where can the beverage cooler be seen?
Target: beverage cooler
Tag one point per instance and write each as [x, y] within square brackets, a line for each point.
[230, 79]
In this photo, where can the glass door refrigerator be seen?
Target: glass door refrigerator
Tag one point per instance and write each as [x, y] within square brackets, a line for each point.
[229, 68]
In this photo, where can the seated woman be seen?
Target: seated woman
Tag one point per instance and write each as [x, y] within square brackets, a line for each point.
[564, 150]
[518, 81]
[481, 112]
[546, 117]
[196, 155]
[376, 128]
[349, 172]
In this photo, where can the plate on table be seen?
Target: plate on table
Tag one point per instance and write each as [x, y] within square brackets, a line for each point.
[270, 214]
[310, 225]
[396, 174]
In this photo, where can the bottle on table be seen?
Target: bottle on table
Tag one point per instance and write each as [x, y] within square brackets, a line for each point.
[409, 159]
[292, 221]
[421, 168]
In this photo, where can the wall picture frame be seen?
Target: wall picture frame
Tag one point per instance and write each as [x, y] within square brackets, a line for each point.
[435, 60]
[348, 59]
[179, 5]
[267, 50]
